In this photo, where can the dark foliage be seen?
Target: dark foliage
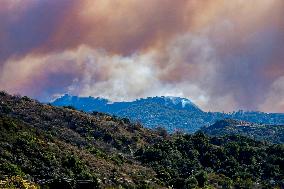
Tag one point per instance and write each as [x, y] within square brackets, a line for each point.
[66, 148]
[270, 133]
[232, 161]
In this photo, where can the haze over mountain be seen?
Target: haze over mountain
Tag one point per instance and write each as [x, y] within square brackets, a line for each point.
[183, 92]
[172, 113]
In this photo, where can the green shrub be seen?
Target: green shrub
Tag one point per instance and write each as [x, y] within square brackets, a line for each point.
[11, 169]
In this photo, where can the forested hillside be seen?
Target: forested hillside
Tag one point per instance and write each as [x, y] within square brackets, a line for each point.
[53, 147]
[262, 132]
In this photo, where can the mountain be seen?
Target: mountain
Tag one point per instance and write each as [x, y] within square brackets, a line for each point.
[59, 147]
[272, 133]
[100, 104]
[172, 113]
[152, 111]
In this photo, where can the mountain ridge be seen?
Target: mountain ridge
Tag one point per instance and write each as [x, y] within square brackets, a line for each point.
[262, 132]
[172, 113]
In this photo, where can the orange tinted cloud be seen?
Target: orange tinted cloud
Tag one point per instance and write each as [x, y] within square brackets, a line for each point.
[224, 55]
[120, 26]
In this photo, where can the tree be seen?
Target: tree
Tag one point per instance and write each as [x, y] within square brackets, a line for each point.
[201, 178]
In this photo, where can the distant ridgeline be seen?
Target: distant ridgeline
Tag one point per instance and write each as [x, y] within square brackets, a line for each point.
[172, 113]
[262, 132]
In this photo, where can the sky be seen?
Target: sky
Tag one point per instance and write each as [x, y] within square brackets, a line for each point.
[222, 55]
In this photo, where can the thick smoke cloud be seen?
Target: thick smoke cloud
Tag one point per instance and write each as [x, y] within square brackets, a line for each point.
[223, 55]
[27, 25]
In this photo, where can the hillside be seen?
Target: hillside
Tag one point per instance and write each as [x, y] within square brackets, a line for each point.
[172, 113]
[272, 133]
[65, 148]
[41, 139]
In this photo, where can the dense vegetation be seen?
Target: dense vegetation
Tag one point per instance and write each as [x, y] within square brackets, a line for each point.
[172, 113]
[42, 145]
[48, 144]
[189, 161]
[262, 132]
